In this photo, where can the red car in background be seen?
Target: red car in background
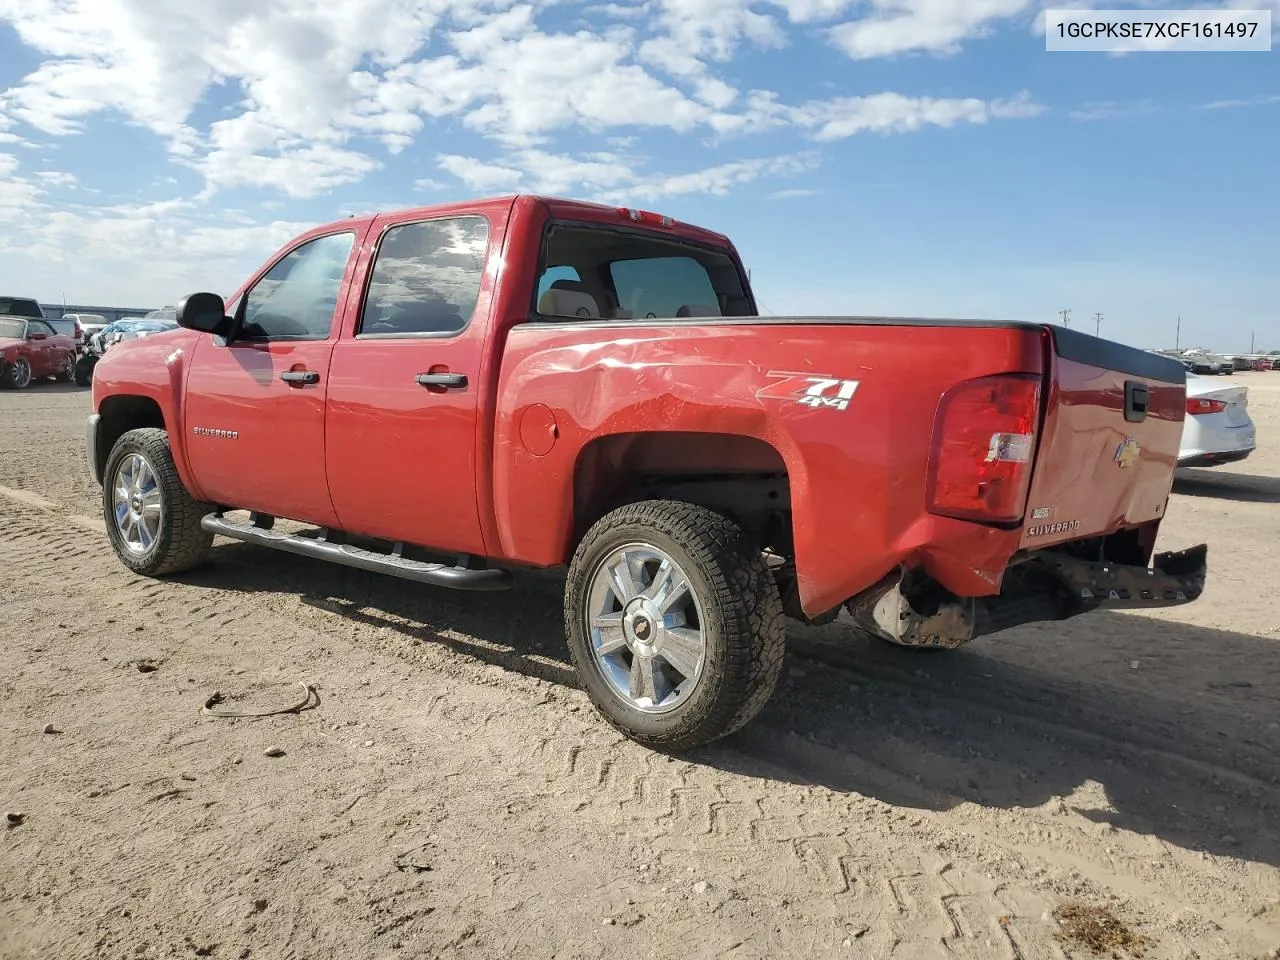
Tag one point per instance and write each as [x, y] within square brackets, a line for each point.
[29, 349]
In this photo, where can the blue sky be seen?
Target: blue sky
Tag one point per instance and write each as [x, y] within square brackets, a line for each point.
[908, 157]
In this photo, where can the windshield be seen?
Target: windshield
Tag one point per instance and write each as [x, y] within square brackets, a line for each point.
[17, 329]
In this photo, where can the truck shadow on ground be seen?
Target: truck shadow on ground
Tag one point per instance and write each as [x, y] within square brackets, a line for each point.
[1171, 730]
[1243, 487]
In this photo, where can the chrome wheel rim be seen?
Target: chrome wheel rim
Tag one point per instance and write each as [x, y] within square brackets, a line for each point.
[69, 368]
[136, 506]
[21, 373]
[646, 628]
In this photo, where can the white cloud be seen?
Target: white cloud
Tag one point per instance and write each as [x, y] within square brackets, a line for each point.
[1259, 101]
[611, 177]
[894, 113]
[936, 26]
[322, 94]
[1114, 110]
[302, 100]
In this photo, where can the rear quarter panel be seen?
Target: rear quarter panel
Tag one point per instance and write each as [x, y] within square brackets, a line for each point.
[856, 476]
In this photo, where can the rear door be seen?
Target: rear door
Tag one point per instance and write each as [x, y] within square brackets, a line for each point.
[404, 389]
[255, 408]
[1109, 445]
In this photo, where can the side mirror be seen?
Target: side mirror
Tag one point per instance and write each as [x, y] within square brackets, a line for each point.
[37, 336]
[205, 312]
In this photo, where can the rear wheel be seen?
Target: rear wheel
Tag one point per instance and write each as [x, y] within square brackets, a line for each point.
[17, 374]
[674, 623]
[84, 369]
[68, 371]
[152, 521]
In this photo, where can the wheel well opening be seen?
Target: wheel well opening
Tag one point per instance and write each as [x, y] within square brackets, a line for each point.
[119, 416]
[742, 477]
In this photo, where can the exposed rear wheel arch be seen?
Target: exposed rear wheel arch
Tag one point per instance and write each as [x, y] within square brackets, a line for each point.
[740, 477]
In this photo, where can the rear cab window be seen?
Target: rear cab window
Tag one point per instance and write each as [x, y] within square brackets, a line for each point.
[593, 272]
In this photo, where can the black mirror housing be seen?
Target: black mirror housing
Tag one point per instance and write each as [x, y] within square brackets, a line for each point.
[205, 312]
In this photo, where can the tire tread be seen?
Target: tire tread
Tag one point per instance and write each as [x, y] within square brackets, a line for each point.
[743, 591]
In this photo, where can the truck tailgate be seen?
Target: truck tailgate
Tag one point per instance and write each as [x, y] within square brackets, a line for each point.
[1109, 443]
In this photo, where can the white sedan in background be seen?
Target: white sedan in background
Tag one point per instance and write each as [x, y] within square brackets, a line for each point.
[1218, 428]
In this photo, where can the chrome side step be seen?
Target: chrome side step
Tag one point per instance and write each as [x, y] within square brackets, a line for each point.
[458, 576]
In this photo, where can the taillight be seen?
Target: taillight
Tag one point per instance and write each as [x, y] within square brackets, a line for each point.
[1197, 406]
[983, 440]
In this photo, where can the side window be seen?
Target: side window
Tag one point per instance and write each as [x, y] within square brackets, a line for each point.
[39, 326]
[664, 287]
[551, 275]
[297, 297]
[426, 278]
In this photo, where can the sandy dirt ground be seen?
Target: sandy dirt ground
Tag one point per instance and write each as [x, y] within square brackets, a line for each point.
[454, 795]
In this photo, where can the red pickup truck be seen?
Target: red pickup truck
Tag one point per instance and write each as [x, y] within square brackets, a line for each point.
[452, 393]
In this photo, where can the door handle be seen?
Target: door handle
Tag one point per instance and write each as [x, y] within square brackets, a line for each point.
[448, 380]
[300, 376]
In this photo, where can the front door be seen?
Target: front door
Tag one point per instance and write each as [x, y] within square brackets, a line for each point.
[44, 354]
[255, 408]
[403, 390]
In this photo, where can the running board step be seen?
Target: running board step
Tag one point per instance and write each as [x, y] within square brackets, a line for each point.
[457, 576]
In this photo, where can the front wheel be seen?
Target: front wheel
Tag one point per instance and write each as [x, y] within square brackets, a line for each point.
[674, 623]
[16, 374]
[152, 521]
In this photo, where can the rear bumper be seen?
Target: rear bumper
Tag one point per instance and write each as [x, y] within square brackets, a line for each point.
[1213, 459]
[1047, 585]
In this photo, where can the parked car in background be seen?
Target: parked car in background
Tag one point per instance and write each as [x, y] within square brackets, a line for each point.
[68, 325]
[90, 323]
[96, 345]
[1218, 428]
[1207, 364]
[20, 307]
[30, 349]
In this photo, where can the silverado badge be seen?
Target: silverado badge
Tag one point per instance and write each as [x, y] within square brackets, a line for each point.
[1127, 453]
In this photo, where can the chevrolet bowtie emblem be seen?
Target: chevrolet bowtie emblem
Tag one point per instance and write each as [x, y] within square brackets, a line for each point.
[1127, 453]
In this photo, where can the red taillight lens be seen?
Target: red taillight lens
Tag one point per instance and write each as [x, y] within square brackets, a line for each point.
[1197, 406]
[983, 441]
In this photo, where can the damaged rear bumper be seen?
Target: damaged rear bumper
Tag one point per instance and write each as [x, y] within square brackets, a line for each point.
[1047, 585]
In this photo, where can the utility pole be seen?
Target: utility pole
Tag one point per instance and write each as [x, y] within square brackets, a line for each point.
[1066, 317]
[1097, 324]
[1251, 343]
[1177, 337]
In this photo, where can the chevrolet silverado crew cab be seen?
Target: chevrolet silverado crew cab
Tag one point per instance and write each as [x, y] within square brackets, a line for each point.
[454, 393]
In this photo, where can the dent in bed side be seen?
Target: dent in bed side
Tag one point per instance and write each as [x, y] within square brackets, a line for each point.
[855, 477]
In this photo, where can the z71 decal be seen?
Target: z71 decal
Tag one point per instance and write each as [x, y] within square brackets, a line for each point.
[812, 391]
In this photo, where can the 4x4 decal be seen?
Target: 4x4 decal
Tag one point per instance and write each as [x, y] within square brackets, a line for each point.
[810, 390]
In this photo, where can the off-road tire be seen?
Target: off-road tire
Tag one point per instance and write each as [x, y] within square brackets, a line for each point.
[68, 371]
[181, 543]
[742, 621]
